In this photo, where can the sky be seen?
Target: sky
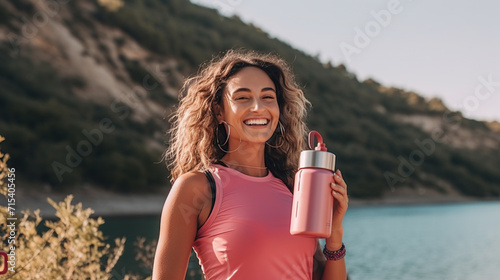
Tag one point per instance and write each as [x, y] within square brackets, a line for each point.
[445, 49]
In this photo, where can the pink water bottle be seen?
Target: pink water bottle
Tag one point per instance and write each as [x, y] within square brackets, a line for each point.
[312, 198]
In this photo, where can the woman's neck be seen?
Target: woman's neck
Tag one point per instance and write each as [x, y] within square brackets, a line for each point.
[251, 165]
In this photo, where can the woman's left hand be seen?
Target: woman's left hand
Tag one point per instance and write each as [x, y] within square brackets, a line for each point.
[340, 204]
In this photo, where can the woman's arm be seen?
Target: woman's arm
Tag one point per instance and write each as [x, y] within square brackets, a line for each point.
[324, 269]
[179, 223]
[335, 270]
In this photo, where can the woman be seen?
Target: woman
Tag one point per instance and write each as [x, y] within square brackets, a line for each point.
[235, 144]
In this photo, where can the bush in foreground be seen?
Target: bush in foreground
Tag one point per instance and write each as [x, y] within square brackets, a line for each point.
[72, 247]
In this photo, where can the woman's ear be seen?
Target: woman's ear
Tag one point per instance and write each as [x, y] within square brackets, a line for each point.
[218, 113]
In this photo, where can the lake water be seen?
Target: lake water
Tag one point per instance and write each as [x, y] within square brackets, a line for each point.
[453, 241]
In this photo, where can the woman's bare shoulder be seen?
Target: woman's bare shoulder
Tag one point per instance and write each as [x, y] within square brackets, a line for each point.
[191, 179]
[191, 184]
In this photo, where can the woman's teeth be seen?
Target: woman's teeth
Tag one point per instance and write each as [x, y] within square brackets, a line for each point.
[256, 122]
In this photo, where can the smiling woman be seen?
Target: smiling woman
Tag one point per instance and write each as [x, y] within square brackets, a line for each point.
[236, 139]
[197, 128]
[251, 108]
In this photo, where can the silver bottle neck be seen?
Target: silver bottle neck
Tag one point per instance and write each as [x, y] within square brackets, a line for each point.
[317, 159]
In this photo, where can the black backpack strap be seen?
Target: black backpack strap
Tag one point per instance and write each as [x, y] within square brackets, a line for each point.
[211, 181]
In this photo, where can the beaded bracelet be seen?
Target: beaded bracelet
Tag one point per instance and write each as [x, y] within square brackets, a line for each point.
[335, 255]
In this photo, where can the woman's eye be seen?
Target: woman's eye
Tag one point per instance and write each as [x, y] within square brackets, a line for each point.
[241, 98]
[269, 97]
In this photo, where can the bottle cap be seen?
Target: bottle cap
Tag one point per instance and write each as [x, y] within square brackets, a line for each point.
[317, 157]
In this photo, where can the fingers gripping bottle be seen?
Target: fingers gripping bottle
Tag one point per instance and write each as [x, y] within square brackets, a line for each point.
[312, 199]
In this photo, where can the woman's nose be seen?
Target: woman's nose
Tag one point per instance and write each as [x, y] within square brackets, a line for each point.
[257, 105]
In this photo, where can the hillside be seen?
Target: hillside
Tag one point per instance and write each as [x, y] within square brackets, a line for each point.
[85, 95]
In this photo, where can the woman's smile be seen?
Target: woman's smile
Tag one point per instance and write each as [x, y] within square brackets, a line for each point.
[257, 122]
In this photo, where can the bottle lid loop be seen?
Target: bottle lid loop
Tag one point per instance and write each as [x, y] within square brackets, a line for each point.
[321, 146]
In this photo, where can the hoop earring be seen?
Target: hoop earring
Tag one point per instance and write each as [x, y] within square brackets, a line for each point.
[282, 129]
[227, 138]
[217, 133]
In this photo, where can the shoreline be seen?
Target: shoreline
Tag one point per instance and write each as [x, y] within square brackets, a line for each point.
[109, 204]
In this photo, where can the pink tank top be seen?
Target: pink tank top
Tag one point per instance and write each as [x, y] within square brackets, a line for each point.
[247, 235]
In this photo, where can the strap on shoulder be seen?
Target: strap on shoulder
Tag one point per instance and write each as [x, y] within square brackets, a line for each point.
[211, 181]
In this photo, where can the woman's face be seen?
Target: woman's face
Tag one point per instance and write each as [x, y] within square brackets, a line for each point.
[250, 106]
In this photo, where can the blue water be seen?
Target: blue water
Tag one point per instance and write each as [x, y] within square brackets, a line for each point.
[454, 241]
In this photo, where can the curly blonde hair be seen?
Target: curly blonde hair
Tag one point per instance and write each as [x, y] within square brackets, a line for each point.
[193, 142]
